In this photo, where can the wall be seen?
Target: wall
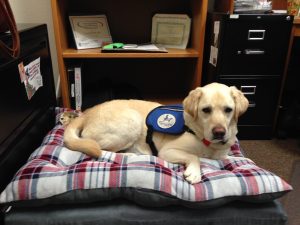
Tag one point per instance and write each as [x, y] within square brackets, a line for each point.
[38, 11]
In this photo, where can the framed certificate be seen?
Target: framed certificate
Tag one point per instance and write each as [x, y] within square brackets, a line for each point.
[90, 31]
[171, 30]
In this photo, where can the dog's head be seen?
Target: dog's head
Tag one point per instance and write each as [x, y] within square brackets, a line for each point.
[212, 112]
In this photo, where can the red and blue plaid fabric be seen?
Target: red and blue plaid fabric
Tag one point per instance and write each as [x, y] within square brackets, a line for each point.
[52, 169]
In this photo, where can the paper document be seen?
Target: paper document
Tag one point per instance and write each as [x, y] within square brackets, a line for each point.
[31, 76]
[141, 47]
[171, 30]
[137, 48]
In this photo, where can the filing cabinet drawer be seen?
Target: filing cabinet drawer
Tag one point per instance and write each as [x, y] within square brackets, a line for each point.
[255, 45]
[262, 93]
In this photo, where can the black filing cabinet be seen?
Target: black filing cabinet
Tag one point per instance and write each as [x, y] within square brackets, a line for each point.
[18, 112]
[249, 51]
[16, 107]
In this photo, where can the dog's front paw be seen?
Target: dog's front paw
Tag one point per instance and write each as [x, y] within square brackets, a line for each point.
[192, 173]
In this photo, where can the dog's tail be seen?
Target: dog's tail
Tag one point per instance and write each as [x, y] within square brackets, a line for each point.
[73, 141]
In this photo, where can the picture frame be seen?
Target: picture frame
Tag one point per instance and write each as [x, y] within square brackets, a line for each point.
[171, 30]
[90, 31]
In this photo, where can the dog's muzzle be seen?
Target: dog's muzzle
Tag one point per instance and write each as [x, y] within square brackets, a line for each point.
[219, 135]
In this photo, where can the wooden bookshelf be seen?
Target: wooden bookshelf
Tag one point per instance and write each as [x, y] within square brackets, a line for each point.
[130, 22]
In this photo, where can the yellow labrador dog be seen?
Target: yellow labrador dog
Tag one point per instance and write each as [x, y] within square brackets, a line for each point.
[211, 112]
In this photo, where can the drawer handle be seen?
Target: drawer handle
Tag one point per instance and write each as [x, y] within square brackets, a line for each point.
[251, 105]
[256, 34]
[248, 90]
[254, 52]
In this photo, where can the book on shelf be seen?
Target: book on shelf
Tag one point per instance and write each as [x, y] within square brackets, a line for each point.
[75, 87]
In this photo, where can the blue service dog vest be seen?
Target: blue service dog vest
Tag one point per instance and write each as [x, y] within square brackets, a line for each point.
[165, 119]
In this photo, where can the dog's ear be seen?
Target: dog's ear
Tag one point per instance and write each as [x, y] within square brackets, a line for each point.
[241, 102]
[191, 102]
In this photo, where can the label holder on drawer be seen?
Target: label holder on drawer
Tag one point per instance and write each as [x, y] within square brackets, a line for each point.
[256, 34]
[248, 90]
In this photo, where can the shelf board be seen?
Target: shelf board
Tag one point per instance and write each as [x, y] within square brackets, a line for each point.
[96, 53]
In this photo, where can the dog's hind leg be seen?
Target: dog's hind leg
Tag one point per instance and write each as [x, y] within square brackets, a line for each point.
[116, 130]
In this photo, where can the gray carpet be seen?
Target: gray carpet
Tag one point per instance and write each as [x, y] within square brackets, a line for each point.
[291, 202]
[281, 157]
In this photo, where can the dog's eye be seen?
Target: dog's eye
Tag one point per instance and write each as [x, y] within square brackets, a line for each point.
[228, 109]
[206, 110]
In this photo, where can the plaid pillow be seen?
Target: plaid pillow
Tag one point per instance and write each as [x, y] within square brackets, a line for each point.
[54, 174]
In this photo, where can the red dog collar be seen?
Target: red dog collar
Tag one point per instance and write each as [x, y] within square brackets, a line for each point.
[206, 142]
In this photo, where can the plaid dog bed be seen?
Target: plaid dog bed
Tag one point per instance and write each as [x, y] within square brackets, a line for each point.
[54, 173]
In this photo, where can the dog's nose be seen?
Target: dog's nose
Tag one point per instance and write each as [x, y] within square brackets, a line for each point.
[218, 132]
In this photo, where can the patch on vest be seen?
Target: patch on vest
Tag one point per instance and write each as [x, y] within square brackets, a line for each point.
[166, 119]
